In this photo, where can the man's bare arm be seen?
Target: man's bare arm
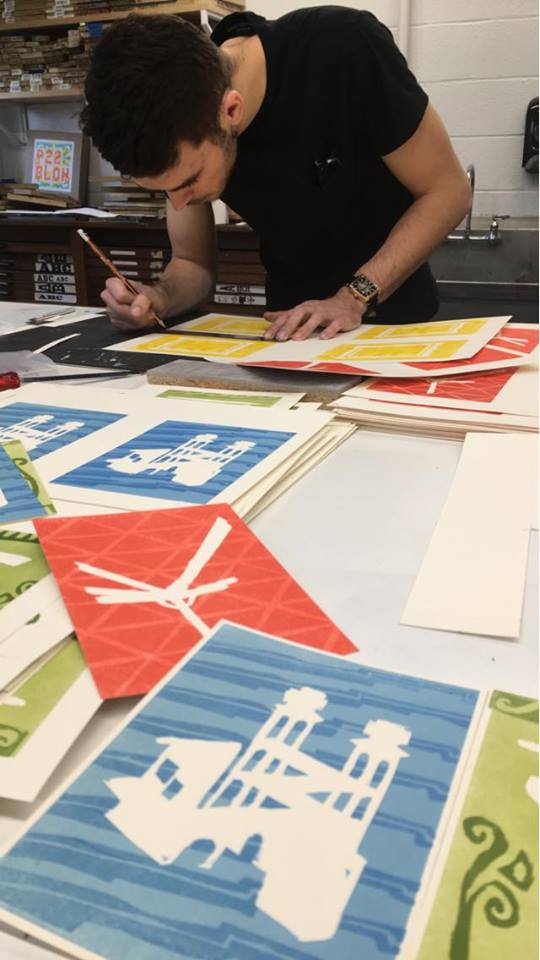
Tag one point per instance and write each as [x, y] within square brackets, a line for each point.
[427, 165]
[185, 283]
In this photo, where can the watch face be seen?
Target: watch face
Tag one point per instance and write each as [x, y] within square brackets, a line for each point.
[364, 287]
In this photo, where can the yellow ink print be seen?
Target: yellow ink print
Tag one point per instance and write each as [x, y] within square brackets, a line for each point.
[394, 351]
[232, 325]
[183, 345]
[443, 328]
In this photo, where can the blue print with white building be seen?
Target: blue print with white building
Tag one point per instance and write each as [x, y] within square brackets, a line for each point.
[42, 428]
[177, 460]
[269, 802]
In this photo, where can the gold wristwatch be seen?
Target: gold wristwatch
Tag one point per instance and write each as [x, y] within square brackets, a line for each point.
[363, 289]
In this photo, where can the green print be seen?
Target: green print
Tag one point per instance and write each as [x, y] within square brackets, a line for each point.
[22, 563]
[39, 694]
[489, 883]
[486, 906]
[515, 706]
[10, 739]
[246, 399]
[20, 459]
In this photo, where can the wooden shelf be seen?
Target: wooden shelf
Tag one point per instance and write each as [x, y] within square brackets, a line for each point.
[43, 96]
[183, 7]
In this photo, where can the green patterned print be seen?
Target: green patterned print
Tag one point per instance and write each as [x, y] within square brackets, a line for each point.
[20, 459]
[486, 907]
[22, 563]
[247, 399]
[34, 699]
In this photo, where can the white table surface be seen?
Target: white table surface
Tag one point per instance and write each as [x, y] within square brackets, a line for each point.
[353, 532]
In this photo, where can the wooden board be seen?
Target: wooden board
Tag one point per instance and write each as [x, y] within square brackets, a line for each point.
[318, 387]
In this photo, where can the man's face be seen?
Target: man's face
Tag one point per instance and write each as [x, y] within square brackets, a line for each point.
[199, 176]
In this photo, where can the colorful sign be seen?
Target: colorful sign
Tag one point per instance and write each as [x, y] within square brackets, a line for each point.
[52, 164]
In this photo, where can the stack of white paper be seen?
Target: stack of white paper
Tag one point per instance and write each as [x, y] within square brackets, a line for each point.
[501, 400]
[132, 452]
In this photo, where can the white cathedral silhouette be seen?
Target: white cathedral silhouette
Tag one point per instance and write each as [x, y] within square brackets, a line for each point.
[191, 462]
[309, 817]
[30, 433]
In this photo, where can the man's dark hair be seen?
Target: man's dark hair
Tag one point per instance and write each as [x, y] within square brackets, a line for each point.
[153, 81]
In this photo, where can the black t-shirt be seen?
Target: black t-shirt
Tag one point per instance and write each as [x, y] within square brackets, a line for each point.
[309, 177]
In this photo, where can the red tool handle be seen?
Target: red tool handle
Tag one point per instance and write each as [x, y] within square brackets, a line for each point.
[9, 381]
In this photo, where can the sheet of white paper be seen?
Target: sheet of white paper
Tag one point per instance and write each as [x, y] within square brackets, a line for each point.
[371, 346]
[23, 775]
[15, 315]
[422, 413]
[87, 212]
[33, 640]
[519, 395]
[69, 212]
[472, 578]
[272, 435]
[34, 600]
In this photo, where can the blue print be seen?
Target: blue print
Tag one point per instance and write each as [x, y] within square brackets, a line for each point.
[42, 428]
[160, 850]
[188, 462]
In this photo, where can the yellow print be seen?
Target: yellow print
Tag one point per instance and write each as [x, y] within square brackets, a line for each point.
[442, 328]
[232, 325]
[184, 345]
[394, 351]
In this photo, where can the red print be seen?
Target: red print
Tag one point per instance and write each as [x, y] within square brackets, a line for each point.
[142, 588]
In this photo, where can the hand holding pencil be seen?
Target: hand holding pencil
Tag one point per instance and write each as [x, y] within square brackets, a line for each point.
[130, 304]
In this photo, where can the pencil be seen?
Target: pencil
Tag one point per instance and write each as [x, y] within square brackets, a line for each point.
[108, 263]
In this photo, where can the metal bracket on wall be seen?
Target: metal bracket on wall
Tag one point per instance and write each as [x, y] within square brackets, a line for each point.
[208, 21]
[24, 124]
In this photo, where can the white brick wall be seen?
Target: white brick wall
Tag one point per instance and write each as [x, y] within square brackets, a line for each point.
[478, 61]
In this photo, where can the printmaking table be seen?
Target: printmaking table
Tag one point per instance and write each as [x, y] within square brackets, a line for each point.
[353, 532]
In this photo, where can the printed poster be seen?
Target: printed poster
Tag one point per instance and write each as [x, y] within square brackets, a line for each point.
[373, 348]
[18, 501]
[266, 801]
[487, 903]
[43, 428]
[22, 563]
[52, 164]
[143, 588]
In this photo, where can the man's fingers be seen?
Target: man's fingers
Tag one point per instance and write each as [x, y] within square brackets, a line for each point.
[116, 309]
[141, 305]
[118, 290]
[293, 319]
[307, 328]
[280, 319]
[122, 313]
[331, 330]
[272, 316]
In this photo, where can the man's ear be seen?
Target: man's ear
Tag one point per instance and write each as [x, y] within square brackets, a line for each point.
[232, 110]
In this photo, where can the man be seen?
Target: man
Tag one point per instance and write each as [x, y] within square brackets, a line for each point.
[313, 129]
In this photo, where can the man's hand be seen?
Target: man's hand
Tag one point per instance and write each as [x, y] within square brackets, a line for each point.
[336, 314]
[130, 312]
